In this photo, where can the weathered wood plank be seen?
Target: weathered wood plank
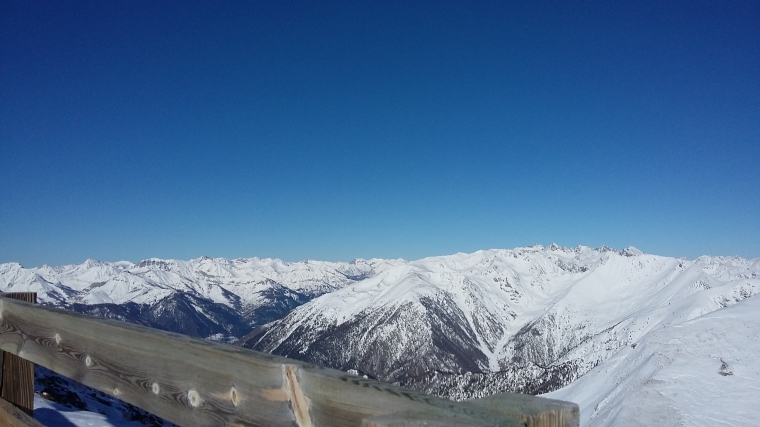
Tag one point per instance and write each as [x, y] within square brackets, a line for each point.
[421, 419]
[189, 382]
[198, 383]
[348, 400]
[10, 416]
[535, 412]
[17, 374]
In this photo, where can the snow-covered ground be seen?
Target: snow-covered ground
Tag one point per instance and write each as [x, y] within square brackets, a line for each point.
[55, 415]
[62, 402]
[702, 372]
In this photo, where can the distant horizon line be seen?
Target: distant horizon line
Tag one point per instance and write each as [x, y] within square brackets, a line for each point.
[552, 246]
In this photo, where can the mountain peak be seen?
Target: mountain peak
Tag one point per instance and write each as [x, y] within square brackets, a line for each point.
[631, 251]
[90, 263]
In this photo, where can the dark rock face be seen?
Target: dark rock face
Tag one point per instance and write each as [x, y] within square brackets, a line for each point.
[180, 313]
[541, 343]
[391, 344]
[430, 346]
[193, 316]
[198, 317]
[279, 301]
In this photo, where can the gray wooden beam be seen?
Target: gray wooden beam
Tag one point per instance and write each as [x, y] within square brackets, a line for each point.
[536, 412]
[193, 382]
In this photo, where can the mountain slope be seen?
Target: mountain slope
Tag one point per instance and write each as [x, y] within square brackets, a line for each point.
[528, 320]
[702, 372]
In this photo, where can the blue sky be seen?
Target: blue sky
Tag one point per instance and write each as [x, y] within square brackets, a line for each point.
[337, 130]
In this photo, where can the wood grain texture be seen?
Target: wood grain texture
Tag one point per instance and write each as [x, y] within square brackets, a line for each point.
[194, 382]
[10, 416]
[421, 419]
[17, 380]
[535, 412]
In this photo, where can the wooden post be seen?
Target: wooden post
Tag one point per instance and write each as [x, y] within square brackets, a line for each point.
[11, 416]
[17, 374]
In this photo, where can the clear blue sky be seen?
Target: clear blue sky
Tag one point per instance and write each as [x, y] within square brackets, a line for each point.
[331, 131]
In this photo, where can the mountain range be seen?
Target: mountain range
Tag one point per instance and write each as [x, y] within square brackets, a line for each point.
[531, 320]
[211, 298]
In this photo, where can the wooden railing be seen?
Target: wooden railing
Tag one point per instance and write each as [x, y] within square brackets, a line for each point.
[193, 382]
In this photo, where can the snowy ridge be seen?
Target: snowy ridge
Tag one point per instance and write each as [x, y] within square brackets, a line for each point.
[150, 280]
[702, 372]
[529, 319]
[204, 297]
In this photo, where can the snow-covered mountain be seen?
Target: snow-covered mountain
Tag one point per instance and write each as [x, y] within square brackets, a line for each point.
[529, 320]
[610, 326]
[204, 297]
